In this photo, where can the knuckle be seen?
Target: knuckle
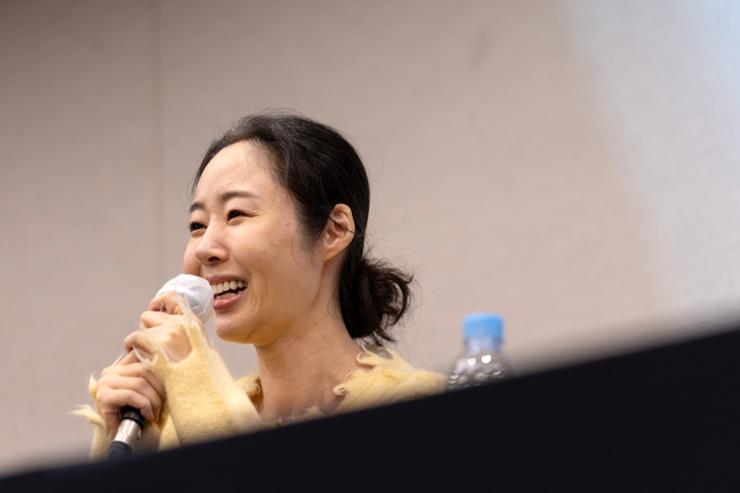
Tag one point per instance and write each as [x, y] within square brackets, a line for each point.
[105, 401]
[142, 385]
[177, 328]
[133, 398]
[102, 397]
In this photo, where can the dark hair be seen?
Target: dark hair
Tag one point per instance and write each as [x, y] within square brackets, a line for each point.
[320, 169]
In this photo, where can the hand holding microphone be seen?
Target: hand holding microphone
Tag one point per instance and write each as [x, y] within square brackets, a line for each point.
[128, 392]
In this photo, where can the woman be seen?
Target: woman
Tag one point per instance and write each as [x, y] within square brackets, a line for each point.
[277, 226]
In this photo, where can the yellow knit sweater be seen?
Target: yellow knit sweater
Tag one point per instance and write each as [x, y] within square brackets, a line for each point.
[204, 402]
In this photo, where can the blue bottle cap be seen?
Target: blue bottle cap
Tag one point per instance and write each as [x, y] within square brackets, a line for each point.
[483, 325]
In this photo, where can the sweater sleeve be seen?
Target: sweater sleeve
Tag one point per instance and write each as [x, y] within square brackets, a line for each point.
[203, 400]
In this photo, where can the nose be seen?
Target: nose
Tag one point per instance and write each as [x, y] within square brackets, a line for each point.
[211, 248]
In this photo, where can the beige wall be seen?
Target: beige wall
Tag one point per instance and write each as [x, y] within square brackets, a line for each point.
[572, 165]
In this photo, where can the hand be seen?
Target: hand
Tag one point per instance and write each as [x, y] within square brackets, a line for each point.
[128, 382]
[164, 326]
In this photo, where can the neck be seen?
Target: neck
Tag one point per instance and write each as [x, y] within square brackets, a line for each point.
[299, 369]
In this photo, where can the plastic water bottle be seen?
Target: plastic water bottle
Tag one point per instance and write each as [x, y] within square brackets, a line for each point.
[482, 361]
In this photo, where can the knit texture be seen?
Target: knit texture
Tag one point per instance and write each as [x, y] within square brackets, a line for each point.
[204, 402]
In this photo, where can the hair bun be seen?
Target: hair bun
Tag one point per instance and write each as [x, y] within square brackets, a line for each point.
[373, 296]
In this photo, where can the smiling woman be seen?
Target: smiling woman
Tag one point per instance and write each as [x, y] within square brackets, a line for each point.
[277, 227]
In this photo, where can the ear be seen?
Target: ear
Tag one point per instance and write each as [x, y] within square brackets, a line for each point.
[339, 231]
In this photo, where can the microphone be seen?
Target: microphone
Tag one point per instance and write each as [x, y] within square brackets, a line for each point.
[198, 295]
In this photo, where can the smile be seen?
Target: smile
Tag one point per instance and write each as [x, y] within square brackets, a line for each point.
[227, 291]
[226, 288]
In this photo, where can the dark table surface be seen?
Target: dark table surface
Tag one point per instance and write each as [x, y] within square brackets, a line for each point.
[665, 418]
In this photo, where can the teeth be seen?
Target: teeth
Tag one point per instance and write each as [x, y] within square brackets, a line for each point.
[219, 288]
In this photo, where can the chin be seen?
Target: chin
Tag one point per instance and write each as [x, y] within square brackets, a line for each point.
[225, 334]
[229, 333]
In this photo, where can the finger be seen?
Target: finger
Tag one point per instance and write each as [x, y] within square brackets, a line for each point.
[140, 386]
[128, 342]
[129, 358]
[118, 398]
[139, 340]
[124, 359]
[140, 370]
[150, 318]
[168, 302]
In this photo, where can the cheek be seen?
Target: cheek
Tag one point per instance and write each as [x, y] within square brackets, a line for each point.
[274, 270]
[297, 273]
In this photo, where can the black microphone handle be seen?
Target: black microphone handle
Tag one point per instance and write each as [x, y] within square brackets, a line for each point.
[129, 431]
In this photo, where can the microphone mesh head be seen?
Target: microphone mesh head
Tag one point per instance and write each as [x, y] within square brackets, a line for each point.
[196, 291]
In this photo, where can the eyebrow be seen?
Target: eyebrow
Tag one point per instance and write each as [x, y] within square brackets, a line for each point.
[225, 197]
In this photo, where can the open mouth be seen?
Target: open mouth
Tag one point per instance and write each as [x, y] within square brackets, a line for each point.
[227, 289]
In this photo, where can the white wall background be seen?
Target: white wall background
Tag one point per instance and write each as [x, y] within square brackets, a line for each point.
[573, 165]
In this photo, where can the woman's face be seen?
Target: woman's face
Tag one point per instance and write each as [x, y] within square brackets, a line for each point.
[245, 239]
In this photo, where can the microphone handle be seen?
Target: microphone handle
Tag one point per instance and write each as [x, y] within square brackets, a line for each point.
[129, 431]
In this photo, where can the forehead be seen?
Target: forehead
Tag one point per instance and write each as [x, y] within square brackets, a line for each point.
[238, 166]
